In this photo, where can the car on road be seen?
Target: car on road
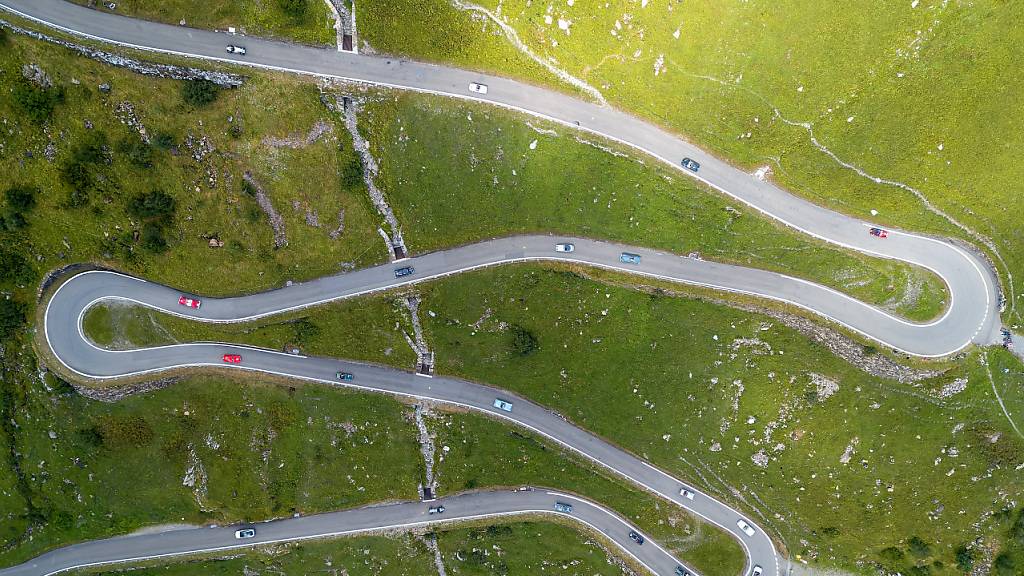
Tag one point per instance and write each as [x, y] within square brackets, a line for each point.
[344, 375]
[245, 533]
[680, 571]
[563, 507]
[686, 493]
[190, 302]
[565, 247]
[232, 49]
[503, 404]
[232, 358]
[435, 510]
[629, 258]
[747, 528]
[690, 164]
[636, 537]
[404, 271]
[878, 232]
[478, 87]
[756, 570]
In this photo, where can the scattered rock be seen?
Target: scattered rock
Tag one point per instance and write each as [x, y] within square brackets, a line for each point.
[34, 74]
[105, 88]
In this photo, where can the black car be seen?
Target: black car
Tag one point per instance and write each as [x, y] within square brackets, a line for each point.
[690, 164]
[404, 271]
[636, 537]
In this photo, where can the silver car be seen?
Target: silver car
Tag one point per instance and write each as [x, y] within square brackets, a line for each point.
[564, 247]
[747, 528]
[245, 533]
[232, 49]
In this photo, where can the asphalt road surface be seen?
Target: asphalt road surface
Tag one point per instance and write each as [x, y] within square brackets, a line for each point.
[971, 315]
[405, 516]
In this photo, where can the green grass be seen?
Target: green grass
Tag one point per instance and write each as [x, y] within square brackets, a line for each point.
[371, 331]
[267, 105]
[257, 18]
[99, 469]
[401, 555]
[476, 452]
[447, 188]
[706, 389]
[905, 78]
[523, 549]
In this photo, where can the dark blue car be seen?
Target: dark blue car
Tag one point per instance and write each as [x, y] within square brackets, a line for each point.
[404, 271]
[690, 164]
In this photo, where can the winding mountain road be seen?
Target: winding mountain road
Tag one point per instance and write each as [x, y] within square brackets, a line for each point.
[971, 314]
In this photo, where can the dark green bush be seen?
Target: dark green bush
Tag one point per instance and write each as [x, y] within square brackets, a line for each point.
[82, 170]
[964, 558]
[294, 9]
[524, 342]
[15, 268]
[153, 237]
[352, 173]
[123, 431]
[199, 92]
[12, 317]
[1005, 565]
[919, 547]
[136, 151]
[37, 103]
[152, 204]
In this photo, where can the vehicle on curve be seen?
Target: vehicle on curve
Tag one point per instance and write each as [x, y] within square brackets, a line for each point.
[563, 507]
[747, 528]
[245, 533]
[680, 571]
[190, 302]
[690, 164]
[344, 375]
[232, 49]
[478, 87]
[404, 271]
[629, 258]
[564, 247]
[232, 358]
[636, 537]
[686, 493]
[756, 571]
[435, 510]
[878, 232]
[503, 404]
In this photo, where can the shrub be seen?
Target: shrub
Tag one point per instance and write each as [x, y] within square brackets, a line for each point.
[153, 237]
[1017, 530]
[1004, 565]
[137, 152]
[352, 173]
[12, 317]
[964, 558]
[152, 204]
[199, 92]
[124, 431]
[164, 140]
[294, 9]
[14, 268]
[919, 547]
[21, 198]
[524, 342]
[37, 103]
[891, 554]
[81, 171]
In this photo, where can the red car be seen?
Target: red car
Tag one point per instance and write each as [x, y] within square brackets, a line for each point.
[874, 232]
[190, 302]
[233, 358]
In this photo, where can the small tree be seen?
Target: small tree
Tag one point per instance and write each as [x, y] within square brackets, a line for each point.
[152, 204]
[199, 92]
[14, 268]
[153, 238]
[352, 173]
[137, 152]
[1004, 565]
[524, 342]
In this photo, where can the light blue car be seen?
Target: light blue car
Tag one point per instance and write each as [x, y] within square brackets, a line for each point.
[628, 258]
[563, 507]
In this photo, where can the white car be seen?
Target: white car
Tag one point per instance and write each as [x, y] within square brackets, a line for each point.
[564, 247]
[686, 493]
[747, 528]
[245, 533]
[503, 404]
[478, 88]
[756, 571]
[232, 49]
